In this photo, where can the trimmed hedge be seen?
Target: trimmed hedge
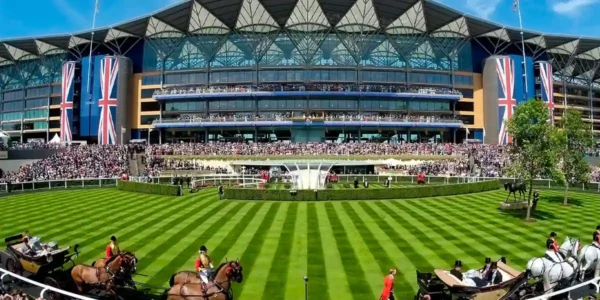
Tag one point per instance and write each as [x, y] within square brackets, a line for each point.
[362, 193]
[149, 188]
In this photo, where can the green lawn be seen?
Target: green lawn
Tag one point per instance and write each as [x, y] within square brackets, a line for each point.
[345, 248]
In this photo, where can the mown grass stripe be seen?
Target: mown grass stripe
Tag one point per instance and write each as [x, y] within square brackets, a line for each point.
[218, 254]
[297, 268]
[473, 218]
[384, 262]
[46, 198]
[77, 227]
[407, 222]
[317, 273]
[366, 260]
[401, 243]
[251, 253]
[95, 247]
[54, 213]
[334, 266]
[169, 236]
[69, 227]
[355, 275]
[277, 278]
[428, 219]
[192, 249]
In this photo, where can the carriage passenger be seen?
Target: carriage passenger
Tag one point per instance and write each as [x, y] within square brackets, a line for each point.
[486, 267]
[596, 237]
[112, 249]
[457, 271]
[203, 264]
[492, 276]
[552, 248]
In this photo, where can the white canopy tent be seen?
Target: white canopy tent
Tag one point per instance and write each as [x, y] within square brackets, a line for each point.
[55, 139]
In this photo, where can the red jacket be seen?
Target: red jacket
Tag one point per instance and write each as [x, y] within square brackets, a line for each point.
[388, 287]
[108, 252]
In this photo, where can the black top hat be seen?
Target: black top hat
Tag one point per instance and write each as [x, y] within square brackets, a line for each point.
[598, 227]
[458, 263]
[488, 260]
[553, 234]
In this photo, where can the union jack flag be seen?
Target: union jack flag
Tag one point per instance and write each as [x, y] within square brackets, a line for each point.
[109, 69]
[505, 67]
[66, 104]
[547, 86]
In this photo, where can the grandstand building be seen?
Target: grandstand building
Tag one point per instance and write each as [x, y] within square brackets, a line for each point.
[299, 70]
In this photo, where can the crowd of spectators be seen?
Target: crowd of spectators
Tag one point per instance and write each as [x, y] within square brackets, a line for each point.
[110, 161]
[238, 117]
[9, 294]
[312, 149]
[389, 117]
[77, 161]
[308, 87]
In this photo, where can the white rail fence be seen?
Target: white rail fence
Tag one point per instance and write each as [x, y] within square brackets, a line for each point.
[247, 178]
[45, 288]
[595, 283]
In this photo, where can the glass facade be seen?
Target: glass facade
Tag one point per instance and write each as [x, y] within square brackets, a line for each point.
[294, 52]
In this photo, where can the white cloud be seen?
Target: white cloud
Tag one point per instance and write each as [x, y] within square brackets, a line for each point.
[70, 12]
[483, 8]
[571, 6]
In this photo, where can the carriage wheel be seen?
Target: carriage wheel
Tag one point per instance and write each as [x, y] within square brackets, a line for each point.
[14, 267]
[50, 295]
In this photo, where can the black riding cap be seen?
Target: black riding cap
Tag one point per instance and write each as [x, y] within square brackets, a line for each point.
[553, 234]
[598, 227]
[203, 248]
[113, 238]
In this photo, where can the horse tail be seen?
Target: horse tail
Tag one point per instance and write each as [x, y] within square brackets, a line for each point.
[172, 280]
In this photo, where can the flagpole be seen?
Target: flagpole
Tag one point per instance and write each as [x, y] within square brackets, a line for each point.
[89, 74]
[518, 3]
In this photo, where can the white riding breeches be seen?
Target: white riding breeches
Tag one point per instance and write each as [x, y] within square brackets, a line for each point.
[204, 275]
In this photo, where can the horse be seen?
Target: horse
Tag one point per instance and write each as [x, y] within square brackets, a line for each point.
[555, 270]
[101, 263]
[513, 188]
[118, 271]
[218, 289]
[589, 260]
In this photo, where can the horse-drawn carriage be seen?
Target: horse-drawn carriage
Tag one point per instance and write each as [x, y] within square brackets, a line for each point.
[42, 262]
[442, 285]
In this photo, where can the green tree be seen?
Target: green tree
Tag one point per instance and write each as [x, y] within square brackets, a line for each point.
[533, 149]
[575, 138]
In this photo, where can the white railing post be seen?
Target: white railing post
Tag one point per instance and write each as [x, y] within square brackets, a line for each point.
[82, 183]
[49, 185]
[100, 182]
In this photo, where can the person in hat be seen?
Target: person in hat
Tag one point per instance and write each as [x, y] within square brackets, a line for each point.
[457, 271]
[486, 267]
[112, 249]
[388, 286]
[596, 237]
[493, 276]
[552, 248]
[203, 264]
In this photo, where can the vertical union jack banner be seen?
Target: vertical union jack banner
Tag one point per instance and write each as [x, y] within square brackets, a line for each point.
[109, 69]
[547, 86]
[66, 103]
[505, 67]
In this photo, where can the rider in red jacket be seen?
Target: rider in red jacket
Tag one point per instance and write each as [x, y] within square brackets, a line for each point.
[388, 286]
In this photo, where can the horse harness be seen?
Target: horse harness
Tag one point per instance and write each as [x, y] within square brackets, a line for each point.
[206, 295]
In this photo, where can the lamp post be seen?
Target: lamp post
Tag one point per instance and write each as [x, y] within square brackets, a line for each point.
[305, 287]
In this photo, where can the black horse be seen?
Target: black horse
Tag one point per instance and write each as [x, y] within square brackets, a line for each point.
[513, 188]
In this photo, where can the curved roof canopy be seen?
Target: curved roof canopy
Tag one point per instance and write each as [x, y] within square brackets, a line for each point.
[404, 18]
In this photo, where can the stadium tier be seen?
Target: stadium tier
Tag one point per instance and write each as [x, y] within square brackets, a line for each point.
[303, 71]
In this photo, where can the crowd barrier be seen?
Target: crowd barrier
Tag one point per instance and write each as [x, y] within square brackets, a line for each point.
[216, 178]
[45, 288]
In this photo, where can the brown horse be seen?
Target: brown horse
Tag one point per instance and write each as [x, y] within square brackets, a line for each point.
[101, 263]
[218, 289]
[118, 271]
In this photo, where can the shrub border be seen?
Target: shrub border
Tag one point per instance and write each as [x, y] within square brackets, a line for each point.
[421, 191]
[149, 188]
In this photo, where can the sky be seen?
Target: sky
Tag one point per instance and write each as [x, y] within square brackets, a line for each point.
[26, 18]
